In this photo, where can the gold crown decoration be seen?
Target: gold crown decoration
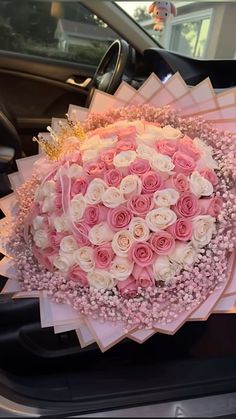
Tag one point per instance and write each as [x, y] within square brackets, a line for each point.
[59, 144]
[76, 128]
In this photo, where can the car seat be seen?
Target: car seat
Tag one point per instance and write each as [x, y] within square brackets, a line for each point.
[10, 148]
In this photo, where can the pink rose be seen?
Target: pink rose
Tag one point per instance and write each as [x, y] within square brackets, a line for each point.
[141, 253]
[43, 257]
[95, 214]
[127, 134]
[144, 276]
[125, 145]
[139, 167]
[119, 218]
[81, 234]
[76, 274]
[211, 206]
[167, 147]
[186, 145]
[34, 212]
[75, 157]
[55, 238]
[162, 242]
[210, 175]
[107, 156]
[180, 182]
[113, 177]
[187, 205]
[79, 186]
[128, 288]
[181, 229]
[94, 169]
[58, 202]
[103, 256]
[152, 181]
[140, 205]
[106, 132]
[183, 163]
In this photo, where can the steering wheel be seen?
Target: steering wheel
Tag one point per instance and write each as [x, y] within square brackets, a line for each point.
[110, 69]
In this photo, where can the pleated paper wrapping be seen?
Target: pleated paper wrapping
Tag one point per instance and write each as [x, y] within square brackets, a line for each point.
[198, 101]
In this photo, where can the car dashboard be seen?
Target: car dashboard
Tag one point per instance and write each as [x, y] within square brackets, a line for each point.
[164, 64]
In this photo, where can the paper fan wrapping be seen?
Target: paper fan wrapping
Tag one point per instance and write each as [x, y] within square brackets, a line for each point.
[127, 226]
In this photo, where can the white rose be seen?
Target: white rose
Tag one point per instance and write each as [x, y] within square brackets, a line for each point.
[91, 143]
[139, 125]
[139, 230]
[95, 190]
[77, 207]
[124, 159]
[131, 185]
[121, 268]
[38, 195]
[183, 254]
[41, 239]
[100, 233]
[171, 133]
[112, 197]
[145, 152]
[206, 159]
[49, 187]
[60, 223]
[63, 261]
[89, 155]
[164, 269]
[122, 123]
[84, 257]
[166, 197]
[122, 242]
[199, 185]
[108, 142]
[160, 218]
[147, 138]
[48, 203]
[161, 163]
[150, 135]
[203, 230]
[153, 129]
[38, 222]
[68, 244]
[75, 171]
[100, 279]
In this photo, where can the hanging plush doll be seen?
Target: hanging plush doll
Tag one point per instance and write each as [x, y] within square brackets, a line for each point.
[161, 10]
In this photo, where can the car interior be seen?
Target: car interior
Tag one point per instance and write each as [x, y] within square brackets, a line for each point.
[49, 373]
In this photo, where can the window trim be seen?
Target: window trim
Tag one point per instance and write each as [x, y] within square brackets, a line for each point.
[187, 17]
[197, 15]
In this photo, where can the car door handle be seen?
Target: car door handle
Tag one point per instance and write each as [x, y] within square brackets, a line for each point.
[73, 82]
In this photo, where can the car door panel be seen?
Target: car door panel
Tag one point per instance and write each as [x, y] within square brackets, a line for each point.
[35, 89]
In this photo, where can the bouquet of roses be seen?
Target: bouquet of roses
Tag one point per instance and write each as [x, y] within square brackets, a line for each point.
[126, 221]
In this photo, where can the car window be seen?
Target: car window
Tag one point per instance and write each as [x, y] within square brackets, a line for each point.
[64, 30]
[201, 29]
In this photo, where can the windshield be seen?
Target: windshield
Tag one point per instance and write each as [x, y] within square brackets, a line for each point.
[201, 29]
